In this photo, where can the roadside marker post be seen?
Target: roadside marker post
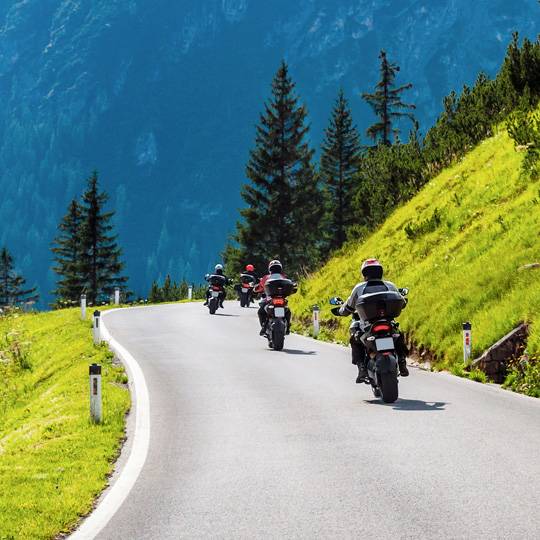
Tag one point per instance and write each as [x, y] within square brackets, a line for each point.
[96, 329]
[83, 306]
[316, 328]
[95, 393]
[117, 296]
[190, 292]
[467, 342]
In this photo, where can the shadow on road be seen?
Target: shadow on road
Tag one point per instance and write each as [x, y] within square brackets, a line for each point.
[226, 315]
[410, 404]
[298, 351]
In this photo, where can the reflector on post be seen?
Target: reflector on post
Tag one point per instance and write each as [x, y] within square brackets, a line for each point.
[467, 342]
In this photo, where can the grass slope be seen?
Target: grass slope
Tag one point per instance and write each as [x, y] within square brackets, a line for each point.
[469, 230]
[53, 461]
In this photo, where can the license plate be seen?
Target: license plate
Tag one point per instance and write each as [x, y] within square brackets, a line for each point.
[279, 312]
[244, 289]
[385, 344]
[215, 294]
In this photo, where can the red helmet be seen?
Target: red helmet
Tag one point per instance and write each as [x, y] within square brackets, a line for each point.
[250, 268]
[372, 269]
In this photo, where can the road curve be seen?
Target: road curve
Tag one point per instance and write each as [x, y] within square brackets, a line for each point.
[250, 443]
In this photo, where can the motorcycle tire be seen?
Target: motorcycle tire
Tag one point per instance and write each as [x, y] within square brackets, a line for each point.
[278, 335]
[389, 387]
[243, 300]
[213, 305]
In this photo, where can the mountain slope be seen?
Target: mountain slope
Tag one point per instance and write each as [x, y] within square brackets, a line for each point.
[458, 245]
[162, 98]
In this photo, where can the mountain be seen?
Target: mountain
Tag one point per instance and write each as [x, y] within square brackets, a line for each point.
[162, 98]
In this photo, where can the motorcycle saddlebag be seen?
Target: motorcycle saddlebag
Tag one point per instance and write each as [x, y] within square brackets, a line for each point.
[385, 304]
[278, 286]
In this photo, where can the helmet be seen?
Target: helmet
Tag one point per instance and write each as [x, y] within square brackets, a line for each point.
[218, 269]
[275, 267]
[250, 268]
[372, 269]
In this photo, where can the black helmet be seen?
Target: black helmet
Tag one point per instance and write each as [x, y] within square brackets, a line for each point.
[372, 269]
[275, 267]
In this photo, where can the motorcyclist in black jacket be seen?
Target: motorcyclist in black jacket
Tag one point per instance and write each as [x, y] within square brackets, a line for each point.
[218, 271]
[372, 271]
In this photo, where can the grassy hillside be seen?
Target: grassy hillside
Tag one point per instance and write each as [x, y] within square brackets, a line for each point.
[53, 461]
[458, 246]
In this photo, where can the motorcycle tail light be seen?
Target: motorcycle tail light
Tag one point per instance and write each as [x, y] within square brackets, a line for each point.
[381, 328]
[278, 301]
[216, 288]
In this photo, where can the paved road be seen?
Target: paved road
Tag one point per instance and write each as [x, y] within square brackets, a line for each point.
[252, 443]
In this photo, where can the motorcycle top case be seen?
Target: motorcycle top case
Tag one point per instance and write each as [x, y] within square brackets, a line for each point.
[278, 286]
[216, 279]
[384, 304]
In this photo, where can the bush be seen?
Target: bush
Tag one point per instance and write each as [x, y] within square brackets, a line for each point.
[524, 377]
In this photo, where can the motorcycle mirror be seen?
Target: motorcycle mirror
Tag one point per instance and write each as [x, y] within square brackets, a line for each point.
[404, 291]
[336, 301]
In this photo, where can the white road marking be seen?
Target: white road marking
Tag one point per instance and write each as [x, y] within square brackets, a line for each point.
[112, 501]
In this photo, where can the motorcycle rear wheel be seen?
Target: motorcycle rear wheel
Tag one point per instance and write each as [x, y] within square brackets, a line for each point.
[243, 300]
[389, 387]
[213, 305]
[278, 337]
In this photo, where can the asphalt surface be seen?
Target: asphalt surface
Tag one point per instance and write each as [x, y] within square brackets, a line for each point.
[246, 442]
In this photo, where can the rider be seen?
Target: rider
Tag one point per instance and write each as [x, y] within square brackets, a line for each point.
[372, 271]
[274, 267]
[250, 271]
[218, 271]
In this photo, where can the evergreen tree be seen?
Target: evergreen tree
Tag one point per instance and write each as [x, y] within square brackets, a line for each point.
[100, 261]
[339, 164]
[12, 289]
[386, 103]
[155, 295]
[67, 252]
[167, 290]
[283, 197]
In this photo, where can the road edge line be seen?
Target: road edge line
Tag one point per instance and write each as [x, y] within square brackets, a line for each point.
[98, 519]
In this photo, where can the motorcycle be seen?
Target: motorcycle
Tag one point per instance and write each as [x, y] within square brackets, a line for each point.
[276, 290]
[245, 289]
[379, 335]
[216, 290]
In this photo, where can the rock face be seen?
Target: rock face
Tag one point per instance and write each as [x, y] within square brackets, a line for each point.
[494, 361]
[162, 98]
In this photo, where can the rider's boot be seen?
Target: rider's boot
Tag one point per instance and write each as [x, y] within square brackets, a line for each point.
[362, 372]
[402, 364]
[263, 330]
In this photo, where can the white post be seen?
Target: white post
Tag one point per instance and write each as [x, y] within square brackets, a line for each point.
[467, 342]
[97, 337]
[117, 296]
[83, 307]
[95, 393]
[316, 328]
[190, 292]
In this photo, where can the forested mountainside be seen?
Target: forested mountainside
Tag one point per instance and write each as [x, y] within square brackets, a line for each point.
[162, 99]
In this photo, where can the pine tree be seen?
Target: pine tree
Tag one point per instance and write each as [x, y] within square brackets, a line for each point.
[12, 289]
[67, 251]
[283, 197]
[100, 261]
[155, 295]
[386, 103]
[339, 164]
[167, 289]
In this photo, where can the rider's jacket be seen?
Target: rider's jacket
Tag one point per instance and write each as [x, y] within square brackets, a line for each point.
[259, 288]
[366, 287]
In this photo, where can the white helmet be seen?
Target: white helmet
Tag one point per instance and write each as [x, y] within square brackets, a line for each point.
[275, 267]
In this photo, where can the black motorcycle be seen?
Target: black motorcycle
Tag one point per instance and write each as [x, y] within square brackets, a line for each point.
[245, 289]
[276, 290]
[216, 291]
[379, 335]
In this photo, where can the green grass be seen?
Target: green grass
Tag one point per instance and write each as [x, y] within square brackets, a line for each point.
[458, 245]
[53, 461]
